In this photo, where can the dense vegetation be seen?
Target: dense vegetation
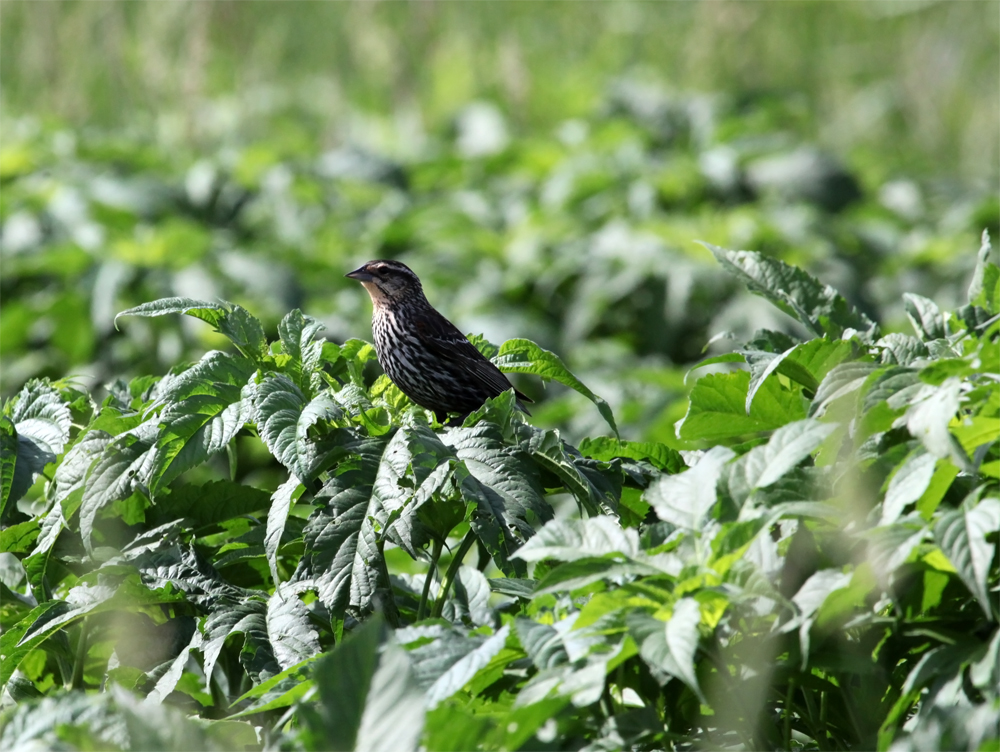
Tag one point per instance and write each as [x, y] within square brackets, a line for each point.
[747, 511]
[824, 576]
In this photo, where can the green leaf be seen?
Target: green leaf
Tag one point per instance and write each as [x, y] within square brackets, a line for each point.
[569, 540]
[795, 292]
[281, 502]
[462, 671]
[717, 408]
[19, 538]
[298, 334]
[684, 499]
[203, 410]
[122, 469]
[289, 629]
[907, 484]
[280, 691]
[765, 465]
[248, 617]
[368, 697]
[209, 503]
[229, 319]
[659, 455]
[469, 600]
[524, 356]
[929, 417]
[593, 489]
[961, 534]
[284, 418]
[985, 279]
[925, 316]
[41, 424]
[841, 381]
[670, 648]
[806, 363]
[344, 563]
[8, 460]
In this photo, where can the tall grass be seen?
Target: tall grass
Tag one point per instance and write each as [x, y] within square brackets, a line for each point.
[916, 81]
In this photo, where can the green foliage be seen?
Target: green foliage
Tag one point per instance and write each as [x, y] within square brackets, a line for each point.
[817, 570]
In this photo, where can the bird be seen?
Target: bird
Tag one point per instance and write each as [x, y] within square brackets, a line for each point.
[421, 351]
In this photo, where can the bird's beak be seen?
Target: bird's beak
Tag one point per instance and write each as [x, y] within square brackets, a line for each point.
[360, 274]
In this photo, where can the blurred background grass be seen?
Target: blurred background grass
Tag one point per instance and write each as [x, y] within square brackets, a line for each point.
[915, 80]
[545, 166]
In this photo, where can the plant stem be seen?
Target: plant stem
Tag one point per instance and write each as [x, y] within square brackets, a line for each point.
[456, 562]
[431, 569]
[81, 657]
[789, 696]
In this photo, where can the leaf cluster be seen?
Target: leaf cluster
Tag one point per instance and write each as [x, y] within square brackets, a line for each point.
[821, 573]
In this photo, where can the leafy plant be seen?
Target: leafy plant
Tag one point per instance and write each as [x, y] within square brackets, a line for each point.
[818, 570]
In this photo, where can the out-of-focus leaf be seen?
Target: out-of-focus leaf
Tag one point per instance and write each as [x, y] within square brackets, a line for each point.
[368, 697]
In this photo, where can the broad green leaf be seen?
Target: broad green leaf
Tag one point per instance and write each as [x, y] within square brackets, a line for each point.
[168, 680]
[925, 317]
[929, 418]
[469, 600]
[985, 279]
[592, 488]
[465, 668]
[795, 292]
[202, 411]
[41, 424]
[298, 334]
[684, 499]
[901, 349]
[907, 484]
[229, 319]
[284, 418]
[542, 642]
[277, 514]
[806, 363]
[503, 470]
[524, 356]
[839, 382]
[280, 691]
[717, 408]
[212, 502]
[813, 594]
[569, 540]
[368, 697]
[765, 465]
[659, 455]
[670, 648]
[122, 469]
[962, 534]
[289, 629]
[19, 538]
[344, 564]
[8, 460]
[249, 618]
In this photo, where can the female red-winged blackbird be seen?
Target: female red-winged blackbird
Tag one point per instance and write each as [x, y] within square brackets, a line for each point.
[423, 353]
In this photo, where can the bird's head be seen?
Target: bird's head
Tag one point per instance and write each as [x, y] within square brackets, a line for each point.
[388, 282]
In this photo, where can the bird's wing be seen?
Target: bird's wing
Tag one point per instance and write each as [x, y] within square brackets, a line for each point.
[445, 340]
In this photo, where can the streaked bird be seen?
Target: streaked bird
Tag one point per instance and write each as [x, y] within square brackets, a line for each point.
[423, 353]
